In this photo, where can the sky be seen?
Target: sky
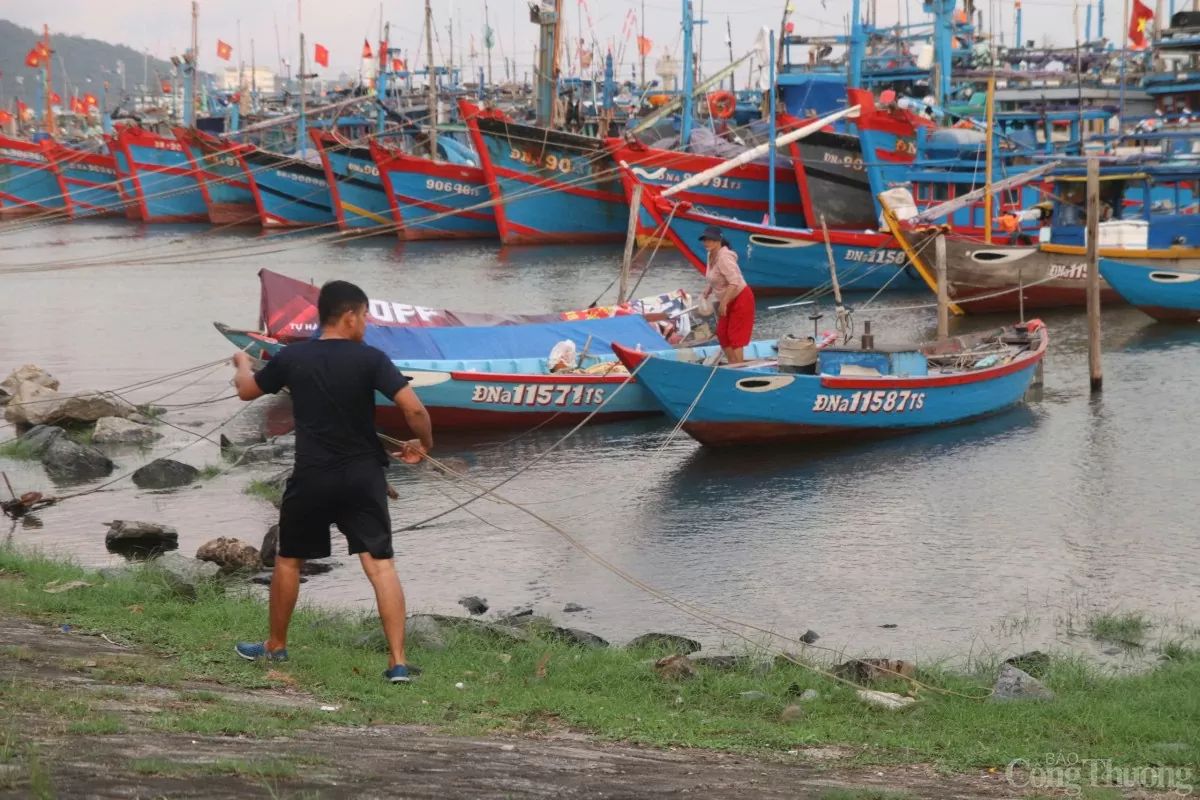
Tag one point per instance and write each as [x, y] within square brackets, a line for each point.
[163, 26]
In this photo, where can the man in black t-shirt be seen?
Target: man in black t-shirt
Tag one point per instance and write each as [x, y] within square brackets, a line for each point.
[338, 477]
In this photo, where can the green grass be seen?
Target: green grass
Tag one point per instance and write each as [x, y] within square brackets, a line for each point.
[1128, 627]
[1179, 650]
[264, 490]
[267, 769]
[97, 727]
[18, 450]
[210, 471]
[82, 434]
[547, 685]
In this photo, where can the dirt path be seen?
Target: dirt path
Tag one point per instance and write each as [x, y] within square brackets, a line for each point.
[60, 695]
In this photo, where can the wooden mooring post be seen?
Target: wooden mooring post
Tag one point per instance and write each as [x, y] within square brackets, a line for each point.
[1095, 370]
[635, 210]
[943, 291]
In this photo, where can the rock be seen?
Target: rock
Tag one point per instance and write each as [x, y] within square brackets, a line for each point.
[667, 642]
[136, 538]
[1035, 662]
[164, 473]
[185, 574]
[792, 713]
[1112, 651]
[1016, 684]
[474, 605]
[37, 405]
[512, 616]
[674, 668]
[31, 373]
[869, 670]
[889, 625]
[753, 696]
[26, 400]
[721, 661]
[809, 695]
[315, 567]
[423, 631]
[231, 555]
[506, 633]
[810, 636]
[889, 701]
[580, 637]
[527, 620]
[114, 430]
[270, 546]
[573, 608]
[66, 460]
[40, 437]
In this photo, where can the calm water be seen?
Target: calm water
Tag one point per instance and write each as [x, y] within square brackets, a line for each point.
[993, 536]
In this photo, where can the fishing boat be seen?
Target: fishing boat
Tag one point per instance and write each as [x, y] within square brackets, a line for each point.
[223, 181]
[435, 199]
[288, 191]
[785, 261]
[163, 181]
[88, 179]
[29, 183]
[360, 200]
[859, 393]
[549, 186]
[1168, 295]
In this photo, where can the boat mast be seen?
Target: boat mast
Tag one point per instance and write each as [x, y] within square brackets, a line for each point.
[641, 39]
[487, 31]
[685, 124]
[49, 83]
[303, 125]
[546, 75]
[433, 88]
[190, 116]
[381, 77]
[987, 180]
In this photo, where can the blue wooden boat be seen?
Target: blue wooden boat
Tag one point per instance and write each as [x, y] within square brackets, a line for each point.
[288, 192]
[164, 183]
[1168, 295]
[222, 178]
[787, 261]
[360, 200]
[89, 179]
[29, 184]
[853, 393]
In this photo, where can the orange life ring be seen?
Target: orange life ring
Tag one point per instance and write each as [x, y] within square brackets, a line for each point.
[721, 105]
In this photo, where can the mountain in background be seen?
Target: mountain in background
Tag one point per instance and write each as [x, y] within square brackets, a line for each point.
[76, 59]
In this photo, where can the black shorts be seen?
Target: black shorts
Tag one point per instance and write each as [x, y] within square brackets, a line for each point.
[353, 497]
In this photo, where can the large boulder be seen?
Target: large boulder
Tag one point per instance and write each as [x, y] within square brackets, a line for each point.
[128, 536]
[27, 372]
[183, 575]
[665, 642]
[1014, 684]
[231, 555]
[65, 460]
[270, 546]
[33, 404]
[164, 473]
[115, 430]
[40, 437]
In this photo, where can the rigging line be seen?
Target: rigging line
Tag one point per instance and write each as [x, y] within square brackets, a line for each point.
[536, 458]
[133, 387]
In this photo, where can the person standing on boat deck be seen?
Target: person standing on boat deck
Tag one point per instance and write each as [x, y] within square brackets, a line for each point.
[338, 476]
[735, 308]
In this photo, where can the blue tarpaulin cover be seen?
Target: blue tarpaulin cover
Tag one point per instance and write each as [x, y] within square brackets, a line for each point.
[513, 341]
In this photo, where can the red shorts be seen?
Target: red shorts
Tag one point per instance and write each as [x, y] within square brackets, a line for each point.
[736, 326]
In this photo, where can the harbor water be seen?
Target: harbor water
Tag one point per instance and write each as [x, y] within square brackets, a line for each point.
[987, 538]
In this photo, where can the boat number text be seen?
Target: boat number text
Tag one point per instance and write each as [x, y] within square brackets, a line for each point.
[853, 162]
[876, 256]
[1069, 272]
[450, 187]
[159, 144]
[364, 169]
[550, 162]
[545, 394]
[21, 155]
[871, 402]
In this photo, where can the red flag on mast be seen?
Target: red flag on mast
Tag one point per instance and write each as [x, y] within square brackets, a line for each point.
[383, 55]
[1142, 14]
[33, 59]
[366, 49]
[321, 56]
[224, 50]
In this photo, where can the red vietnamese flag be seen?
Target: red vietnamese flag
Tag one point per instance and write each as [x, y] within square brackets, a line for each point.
[33, 59]
[166, 86]
[1142, 14]
[321, 56]
[42, 50]
[90, 100]
[397, 65]
[224, 50]
[5, 117]
[55, 99]
[77, 106]
[383, 55]
[366, 49]
[644, 46]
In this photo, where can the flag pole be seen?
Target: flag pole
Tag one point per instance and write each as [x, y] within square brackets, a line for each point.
[1124, 57]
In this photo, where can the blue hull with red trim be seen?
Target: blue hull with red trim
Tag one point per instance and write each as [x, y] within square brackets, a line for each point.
[549, 186]
[359, 197]
[163, 179]
[788, 260]
[763, 406]
[28, 181]
[434, 199]
[1166, 293]
[287, 192]
[90, 181]
[222, 178]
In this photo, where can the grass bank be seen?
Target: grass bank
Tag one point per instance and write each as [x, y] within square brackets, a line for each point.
[535, 686]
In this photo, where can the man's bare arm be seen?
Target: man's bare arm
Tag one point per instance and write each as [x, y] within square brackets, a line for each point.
[416, 416]
[247, 386]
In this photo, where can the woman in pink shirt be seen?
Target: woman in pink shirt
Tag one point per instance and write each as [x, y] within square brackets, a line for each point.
[735, 309]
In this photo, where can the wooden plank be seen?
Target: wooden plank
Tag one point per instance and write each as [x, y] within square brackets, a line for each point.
[1095, 370]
